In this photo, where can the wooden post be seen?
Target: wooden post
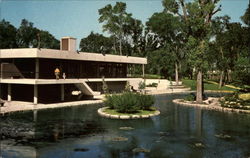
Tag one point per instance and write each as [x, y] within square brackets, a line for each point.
[9, 92]
[35, 94]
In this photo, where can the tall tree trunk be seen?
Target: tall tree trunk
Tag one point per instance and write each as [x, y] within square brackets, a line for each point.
[229, 76]
[115, 47]
[199, 90]
[120, 47]
[176, 74]
[221, 79]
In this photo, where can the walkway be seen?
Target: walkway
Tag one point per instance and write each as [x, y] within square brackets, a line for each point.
[14, 106]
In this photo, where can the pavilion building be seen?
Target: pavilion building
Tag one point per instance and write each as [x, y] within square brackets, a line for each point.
[27, 74]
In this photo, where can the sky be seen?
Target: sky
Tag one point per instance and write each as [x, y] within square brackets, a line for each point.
[77, 18]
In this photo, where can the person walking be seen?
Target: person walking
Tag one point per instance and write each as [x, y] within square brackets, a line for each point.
[57, 73]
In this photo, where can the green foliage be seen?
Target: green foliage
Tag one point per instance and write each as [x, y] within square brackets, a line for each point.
[110, 100]
[190, 97]
[127, 87]
[144, 102]
[26, 36]
[129, 102]
[236, 101]
[207, 85]
[152, 85]
[104, 86]
[96, 43]
[8, 36]
[142, 85]
[246, 17]
[126, 103]
[121, 25]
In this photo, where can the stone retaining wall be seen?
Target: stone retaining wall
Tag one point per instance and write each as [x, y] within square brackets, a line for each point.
[123, 117]
[210, 106]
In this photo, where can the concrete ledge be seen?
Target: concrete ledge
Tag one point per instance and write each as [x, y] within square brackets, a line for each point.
[216, 107]
[125, 117]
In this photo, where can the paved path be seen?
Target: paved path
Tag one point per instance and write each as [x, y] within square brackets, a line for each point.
[14, 106]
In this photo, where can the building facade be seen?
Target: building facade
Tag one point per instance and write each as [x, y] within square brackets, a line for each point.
[28, 74]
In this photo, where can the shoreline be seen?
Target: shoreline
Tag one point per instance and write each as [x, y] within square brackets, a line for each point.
[125, 116]
[20, 106]
[214, 106]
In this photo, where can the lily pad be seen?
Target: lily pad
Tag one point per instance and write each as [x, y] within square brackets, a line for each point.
[141, 150]
[223, 136]
[126, 128]
[119, 139]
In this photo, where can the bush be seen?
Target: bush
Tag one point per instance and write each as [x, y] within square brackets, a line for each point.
[152, 84]
[126, 103]
[236, 100]
[142, 85]
[190, 97]
[129, 102]
[144, 102]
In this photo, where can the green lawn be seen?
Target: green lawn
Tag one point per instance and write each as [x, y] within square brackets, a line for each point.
[140, 112]
[207, 85]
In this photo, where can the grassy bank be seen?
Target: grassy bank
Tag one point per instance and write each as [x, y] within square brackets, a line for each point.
[207, 85]
[139, 112]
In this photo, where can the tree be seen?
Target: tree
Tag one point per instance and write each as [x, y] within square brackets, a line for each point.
[7, 35]
[114, 18]
[122, 27]
[45, 40]
[26, 34]
[96, 43]
[169, 29]
[246, 17]
[196, 16]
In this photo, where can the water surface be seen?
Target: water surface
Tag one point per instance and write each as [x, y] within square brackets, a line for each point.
[77, 132]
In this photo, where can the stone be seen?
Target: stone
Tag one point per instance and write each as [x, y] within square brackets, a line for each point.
[124, 117]
[114, 116]
[144, 116]
[135, 116]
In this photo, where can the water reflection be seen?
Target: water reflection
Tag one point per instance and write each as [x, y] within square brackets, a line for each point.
[79, 132]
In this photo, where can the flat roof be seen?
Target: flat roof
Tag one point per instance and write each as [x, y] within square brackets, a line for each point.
[68, 55]
[62, 81]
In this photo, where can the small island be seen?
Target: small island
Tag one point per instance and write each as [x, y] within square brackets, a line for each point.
[128, 105]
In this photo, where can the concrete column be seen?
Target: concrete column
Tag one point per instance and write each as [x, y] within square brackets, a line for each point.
[62, 92]
[37, 69]
[9, 92]
[35, 94]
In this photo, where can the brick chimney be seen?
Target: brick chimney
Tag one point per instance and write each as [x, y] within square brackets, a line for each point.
[68, 43]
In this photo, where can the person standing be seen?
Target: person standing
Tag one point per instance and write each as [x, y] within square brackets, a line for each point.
[57, 73]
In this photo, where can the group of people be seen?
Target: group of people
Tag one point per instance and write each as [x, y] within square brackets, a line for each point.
[57, 73]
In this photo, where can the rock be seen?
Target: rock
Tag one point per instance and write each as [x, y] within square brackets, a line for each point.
[140, 150]
[223, 136]
[199, 145]
[119, 139]
[126, 128]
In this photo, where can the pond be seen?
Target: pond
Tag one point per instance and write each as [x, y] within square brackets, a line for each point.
[78, 132]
